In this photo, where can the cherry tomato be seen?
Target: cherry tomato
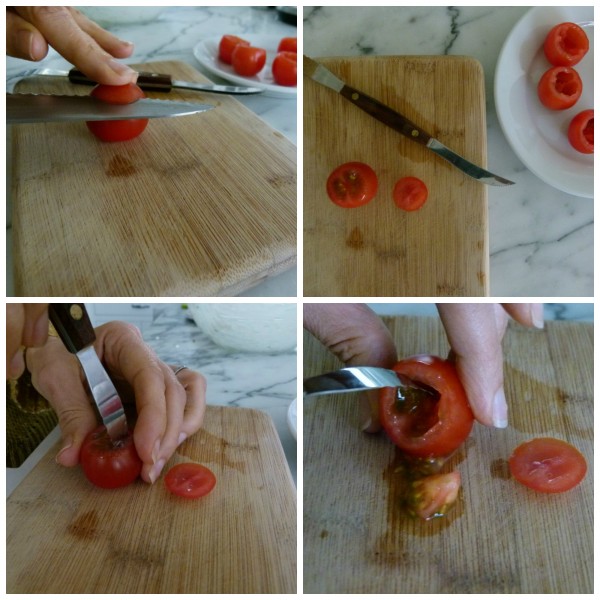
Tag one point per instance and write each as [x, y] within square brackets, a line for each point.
[248, 60]
[559, 88]
[410, 193]
[432, 496]
[352, 184]
[109, 464]
[285, 68]
[427, 424]
[117, 131]
[566, 44]
[581, 132]
[288, 44]
[547, 465]
[227, 46]
[190, 480]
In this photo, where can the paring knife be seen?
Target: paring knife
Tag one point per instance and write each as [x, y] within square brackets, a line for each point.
[44, 108]
[151, 82]
[74, 327]
[396, 121]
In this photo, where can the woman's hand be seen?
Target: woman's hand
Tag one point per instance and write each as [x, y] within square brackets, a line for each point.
[26, 326]
[170, 408]
[93, 50]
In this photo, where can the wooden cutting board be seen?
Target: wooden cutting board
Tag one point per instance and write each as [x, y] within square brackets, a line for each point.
[202, 205]
[501, 537]
[378, 249]
[66, 536]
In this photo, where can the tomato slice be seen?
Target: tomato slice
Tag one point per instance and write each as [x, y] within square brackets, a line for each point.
[581, 132]
[190, 480]
[427, 424]
[109, 464]
[547, 465]
[410, 193]
[560, 88]
[227, 46]
[566, 44]
[432, 496]
[352, 184]
[288, 44]
[117, 131]
[248, 61]
[285, 68]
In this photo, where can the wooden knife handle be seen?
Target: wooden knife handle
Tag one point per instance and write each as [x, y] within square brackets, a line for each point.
[152, 82]
[385, 114]
[73, 325]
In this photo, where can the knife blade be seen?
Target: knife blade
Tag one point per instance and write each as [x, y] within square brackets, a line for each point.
[151, 82]
[73, 325]
[386, 115]
[45, 108]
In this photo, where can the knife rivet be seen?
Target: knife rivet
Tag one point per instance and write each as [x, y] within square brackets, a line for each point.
[76, 311]
[415, 133]
[354, 96]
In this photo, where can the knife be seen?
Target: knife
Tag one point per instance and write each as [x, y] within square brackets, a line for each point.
[151, 82]
[317, 72]
[44, 108]
[74, 328]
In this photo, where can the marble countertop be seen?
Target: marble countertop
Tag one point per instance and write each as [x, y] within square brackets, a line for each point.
[172, 35]
[541, 239]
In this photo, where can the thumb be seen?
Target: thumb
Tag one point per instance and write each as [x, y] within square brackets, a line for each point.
[75, 421]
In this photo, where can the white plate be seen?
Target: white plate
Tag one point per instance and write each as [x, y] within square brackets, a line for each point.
[292, 419]
[207, 53]
[539, 135]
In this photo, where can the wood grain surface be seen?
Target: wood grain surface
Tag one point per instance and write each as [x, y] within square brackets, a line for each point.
[66, 536]
[200, 205]
[501, 537]
[378, 249]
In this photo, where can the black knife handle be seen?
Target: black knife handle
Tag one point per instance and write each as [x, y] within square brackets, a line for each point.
[385, 114]
[152, 82]
[73, 325]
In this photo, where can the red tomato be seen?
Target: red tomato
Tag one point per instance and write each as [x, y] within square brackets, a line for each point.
[427, 424]
[559, 88]
[190, 480]
[248, 60]
[109, 464]
[581, 132]
[566, 44]
[227, 46]
[432, 496]
[285, 68]
[288, 44]
[352, 184]
[410, 193]
[117, 131]
[547, 465]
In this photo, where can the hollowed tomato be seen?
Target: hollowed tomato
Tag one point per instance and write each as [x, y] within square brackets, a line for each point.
[227, 46]
[288, 44]
[566, 44]
[109, 464]
[429, 423]
[285, 69]
[352, 184]
[247, 61]
[190, 480]
[581, 132]
[560, 88]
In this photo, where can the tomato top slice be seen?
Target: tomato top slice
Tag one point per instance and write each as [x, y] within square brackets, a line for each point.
[566, 44]
[352, 184]
[547, 465]
[410, 193]
[190, 480]
[431, 425]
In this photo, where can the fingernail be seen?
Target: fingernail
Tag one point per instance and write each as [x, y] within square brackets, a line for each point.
[368, 422]
[500, 410]
[155, 451]
[182, 437]
[120, 69]
[68, 444]
[537, 315]
[155, 470]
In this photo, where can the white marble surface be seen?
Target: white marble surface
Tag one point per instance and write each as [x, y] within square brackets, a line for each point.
[541, 239]
[172, 36]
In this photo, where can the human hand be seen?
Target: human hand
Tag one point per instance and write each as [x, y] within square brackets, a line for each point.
[26, 326]
[93, 50]
[170, 408]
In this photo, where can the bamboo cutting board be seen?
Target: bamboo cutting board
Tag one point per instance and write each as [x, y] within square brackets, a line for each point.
[202, 205]
[66, 536]
[501, 537]
[378, 249]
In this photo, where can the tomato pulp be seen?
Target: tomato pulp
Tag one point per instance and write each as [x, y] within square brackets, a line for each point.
[547, 465]
[352, 184]
[559, 88]
[581, 132]
[190, 480]
[427, 424]
[566, 44]
[109, 464]
[117, 131]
